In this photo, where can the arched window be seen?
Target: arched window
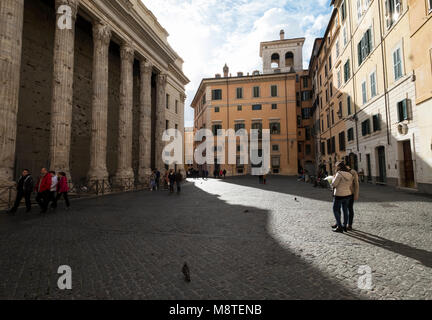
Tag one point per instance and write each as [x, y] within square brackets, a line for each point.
[275, 60]
[289, 59]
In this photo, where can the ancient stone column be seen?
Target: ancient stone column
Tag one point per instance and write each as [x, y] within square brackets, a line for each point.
[62, 97]
[11, 28]
[98, 148]
[124, 169]
[145, 122]
[160, 120]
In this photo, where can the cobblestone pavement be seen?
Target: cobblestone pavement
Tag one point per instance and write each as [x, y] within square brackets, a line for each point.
[240, 239]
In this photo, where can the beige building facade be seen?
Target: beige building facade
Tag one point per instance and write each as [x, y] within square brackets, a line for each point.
[366, 103]
[91, 99]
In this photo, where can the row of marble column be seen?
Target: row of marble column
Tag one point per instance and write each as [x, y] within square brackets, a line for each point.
[11, 25]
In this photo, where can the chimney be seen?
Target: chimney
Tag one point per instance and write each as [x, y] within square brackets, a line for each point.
[225, 71]
[282, 35]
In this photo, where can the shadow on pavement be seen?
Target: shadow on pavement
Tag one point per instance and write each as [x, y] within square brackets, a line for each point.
[133, 246]
[423, 256]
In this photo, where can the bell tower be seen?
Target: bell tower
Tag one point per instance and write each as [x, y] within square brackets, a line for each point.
[283, 55]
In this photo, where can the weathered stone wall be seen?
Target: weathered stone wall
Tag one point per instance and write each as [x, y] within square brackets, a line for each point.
[113, 107]
[33, 133]
[82, 101]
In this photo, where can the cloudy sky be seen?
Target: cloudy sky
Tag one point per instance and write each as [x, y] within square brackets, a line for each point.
[209, 33]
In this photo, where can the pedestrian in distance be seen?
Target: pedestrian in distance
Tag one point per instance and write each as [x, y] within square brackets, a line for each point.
[153, 186]
[355, 189]
[178, 181]
[53, 190]
[43, 189]
[158, 174]
[342, 192]
[63, 189]
[224, 173]
[24, 190]
[172, 179]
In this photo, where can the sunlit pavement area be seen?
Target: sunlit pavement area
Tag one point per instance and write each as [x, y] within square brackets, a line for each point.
[241, 240]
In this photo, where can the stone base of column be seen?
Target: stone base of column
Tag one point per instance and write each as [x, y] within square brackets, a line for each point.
[144, 176]
[125, 178]
[7, 194]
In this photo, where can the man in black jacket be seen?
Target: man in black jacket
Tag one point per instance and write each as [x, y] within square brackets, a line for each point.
[24, 190]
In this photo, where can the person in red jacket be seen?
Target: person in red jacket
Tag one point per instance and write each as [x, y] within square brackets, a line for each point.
[43, 188]
[63, 188]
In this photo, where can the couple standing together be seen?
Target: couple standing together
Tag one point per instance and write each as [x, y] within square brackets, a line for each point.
[346, 190]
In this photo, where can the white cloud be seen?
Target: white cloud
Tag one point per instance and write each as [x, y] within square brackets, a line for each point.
[209, 33]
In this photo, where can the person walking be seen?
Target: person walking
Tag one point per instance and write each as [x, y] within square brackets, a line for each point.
[178, 180]
[43, 189]
[62, 189]
[342, 193]
[355, 189]
[224, 172]
[53, 190]
[24, 190]
[158, 174]
[153, 185]
[172, 179]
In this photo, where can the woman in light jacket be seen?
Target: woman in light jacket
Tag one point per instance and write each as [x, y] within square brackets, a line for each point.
[342, 194]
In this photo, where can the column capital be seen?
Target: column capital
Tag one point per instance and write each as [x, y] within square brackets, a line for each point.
[182, 97]
[73, 4]
[146, 67]
[127, 52]
[161, 79]
[101, 32]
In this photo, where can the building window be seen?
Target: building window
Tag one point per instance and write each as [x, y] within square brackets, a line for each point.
[307, 133]
[359, 10]
[299, 147]
[176, 106]
[330, 62]
[306, 95]
[217, 109]
[373, 84]
[167, 101]
[239, 126]
[256, 107]
[256, 92]
[345, 36]
[328, 120]
[403, 110]
[351, 134]
[166, 124]
[275, 147]
[217, 94]
[393, 10]
[305, 82]
[337, 49]
[275, 162]
[274, 91]
[430, 5]
[325, 70]
[332, 116]
[364, 92]
[397, 64]
[176, 127]
[203, 101]
[347, 71]
[342, 141]
[323, 148]
[349, 105]
[376, 122]
[331, 89]
[275, 128]
[239, 93]
[216, 128]
[306, 113]
[239, 107]
[340, 110]
[339, 78]
[308, 149]
[343, 11]
[366, 127]
[364, 47]
[274, 106]
[333, 144]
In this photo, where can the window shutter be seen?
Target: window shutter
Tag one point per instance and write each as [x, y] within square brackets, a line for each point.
[359, 49]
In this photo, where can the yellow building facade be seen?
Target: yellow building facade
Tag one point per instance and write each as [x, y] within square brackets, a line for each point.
[278, 99]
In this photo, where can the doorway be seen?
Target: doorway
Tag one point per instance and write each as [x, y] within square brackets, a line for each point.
[382, 175]
[369, 168]
[408, 165]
